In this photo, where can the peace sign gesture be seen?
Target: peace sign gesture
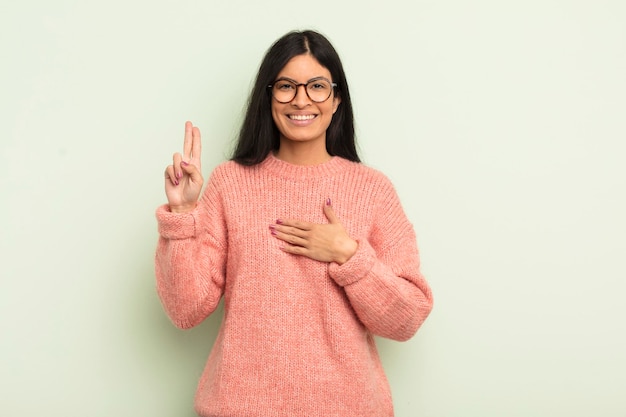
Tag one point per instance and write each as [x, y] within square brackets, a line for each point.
[183, 179]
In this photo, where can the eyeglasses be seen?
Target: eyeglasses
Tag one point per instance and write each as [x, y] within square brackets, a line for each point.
[318, 89]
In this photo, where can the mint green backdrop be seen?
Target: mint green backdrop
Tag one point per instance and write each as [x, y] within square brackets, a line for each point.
[501, 123]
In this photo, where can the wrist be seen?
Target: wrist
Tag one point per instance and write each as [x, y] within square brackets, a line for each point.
[347, 250]
[181, 209]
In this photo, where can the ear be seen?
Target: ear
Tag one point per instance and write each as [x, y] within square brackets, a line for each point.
[336, 103]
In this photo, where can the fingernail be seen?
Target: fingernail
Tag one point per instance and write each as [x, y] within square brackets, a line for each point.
[184, 163]
[328, 201]
[279, 221]
[179, 175]
[176, 182]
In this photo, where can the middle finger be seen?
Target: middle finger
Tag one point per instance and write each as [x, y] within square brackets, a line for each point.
[290, 230]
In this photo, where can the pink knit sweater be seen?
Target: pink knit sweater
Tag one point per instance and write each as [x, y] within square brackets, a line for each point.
[297, 334]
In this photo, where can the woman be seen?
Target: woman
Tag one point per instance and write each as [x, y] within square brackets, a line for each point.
[310, 249]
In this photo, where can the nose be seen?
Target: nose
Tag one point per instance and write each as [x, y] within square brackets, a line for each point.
[302, 98]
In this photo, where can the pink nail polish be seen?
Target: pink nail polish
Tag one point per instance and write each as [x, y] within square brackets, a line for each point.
[176, 182]
[279, 221]
[328, 201]
[184, 163]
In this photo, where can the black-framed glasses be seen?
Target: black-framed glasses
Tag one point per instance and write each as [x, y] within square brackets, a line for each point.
[319, 89]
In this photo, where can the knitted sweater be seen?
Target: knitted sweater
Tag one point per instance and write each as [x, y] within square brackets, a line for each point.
[297, 334]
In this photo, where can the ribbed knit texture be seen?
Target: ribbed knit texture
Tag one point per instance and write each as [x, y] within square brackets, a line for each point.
[297, 335]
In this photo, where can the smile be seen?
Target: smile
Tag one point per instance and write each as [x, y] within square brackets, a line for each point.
[302, 116]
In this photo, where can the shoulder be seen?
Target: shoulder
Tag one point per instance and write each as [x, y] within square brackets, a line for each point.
[228, 172]
[227, 167]
[370, 175]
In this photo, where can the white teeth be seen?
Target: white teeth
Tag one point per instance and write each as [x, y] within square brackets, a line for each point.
[301, 116]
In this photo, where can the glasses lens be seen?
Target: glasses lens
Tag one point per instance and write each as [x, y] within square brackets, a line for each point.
[284, 91]
[318, 90]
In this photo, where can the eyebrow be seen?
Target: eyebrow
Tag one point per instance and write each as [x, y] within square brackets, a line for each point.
[296, 82]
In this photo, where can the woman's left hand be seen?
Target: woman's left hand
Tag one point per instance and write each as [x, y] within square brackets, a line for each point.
[322, 242]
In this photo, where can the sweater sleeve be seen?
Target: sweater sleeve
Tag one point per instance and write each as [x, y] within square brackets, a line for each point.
[382, 279]
[190, 259]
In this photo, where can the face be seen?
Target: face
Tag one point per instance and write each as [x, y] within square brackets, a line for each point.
[303, 120]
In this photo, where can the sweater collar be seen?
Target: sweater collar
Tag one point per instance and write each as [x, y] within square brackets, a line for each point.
[290, 171]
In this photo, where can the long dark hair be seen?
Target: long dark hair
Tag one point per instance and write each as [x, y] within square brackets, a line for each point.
[259, 135]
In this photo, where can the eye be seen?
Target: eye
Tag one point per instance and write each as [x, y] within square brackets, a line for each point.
[319, 85]
[284, 86]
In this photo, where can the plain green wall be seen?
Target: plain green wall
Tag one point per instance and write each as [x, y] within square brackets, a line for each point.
[501, 123]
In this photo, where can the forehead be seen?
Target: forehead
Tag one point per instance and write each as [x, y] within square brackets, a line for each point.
[303, 68]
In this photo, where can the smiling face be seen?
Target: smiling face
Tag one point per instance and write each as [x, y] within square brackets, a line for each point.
[303, 120]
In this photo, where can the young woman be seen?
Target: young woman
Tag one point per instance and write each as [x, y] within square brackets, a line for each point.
[310, 249]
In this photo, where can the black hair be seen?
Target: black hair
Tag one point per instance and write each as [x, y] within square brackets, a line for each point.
[259, 135]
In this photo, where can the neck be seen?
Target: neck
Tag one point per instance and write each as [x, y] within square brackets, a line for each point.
[302, 153]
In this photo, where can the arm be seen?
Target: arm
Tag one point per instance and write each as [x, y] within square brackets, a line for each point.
[382, 279]
[190, 260]
[190, 255]
[391, 301]
[189, 269]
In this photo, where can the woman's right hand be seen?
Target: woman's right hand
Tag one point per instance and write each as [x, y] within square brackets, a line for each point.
[183, 179]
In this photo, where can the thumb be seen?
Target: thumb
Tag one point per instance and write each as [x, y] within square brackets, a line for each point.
[329, 212]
